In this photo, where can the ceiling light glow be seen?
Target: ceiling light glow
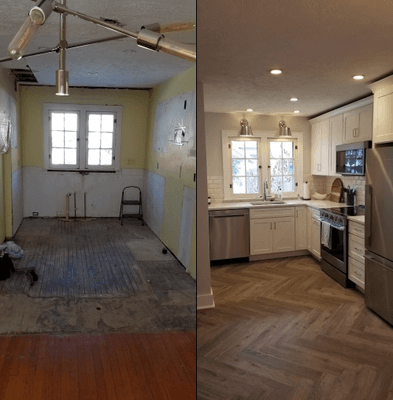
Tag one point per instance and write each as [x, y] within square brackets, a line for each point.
[294, 99]
[296, 112]
[250, 110]
[358, 77]
[276, 71]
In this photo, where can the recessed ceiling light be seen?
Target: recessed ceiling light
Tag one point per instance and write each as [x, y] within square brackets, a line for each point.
[276, 71]
[358, 77]
[296, 112]
[294, 99]
[250, 110]
[92, 73]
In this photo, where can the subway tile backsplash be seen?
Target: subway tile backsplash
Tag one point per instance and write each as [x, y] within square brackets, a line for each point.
[320, 184]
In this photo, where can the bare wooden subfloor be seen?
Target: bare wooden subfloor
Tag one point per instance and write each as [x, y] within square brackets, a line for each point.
[89, 259]
[283, 330]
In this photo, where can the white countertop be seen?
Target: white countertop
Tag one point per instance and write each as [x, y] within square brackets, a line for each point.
[246, 204]
[357, 218]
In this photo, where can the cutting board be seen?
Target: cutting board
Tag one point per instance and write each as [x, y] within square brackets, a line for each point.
[337, 190]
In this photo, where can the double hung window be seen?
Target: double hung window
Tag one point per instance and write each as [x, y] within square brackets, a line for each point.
[78, 137]
[247, 162]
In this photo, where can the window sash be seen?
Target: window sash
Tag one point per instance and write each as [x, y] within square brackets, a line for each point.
[281, 176]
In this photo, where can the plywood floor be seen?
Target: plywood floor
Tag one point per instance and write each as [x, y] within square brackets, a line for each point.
[107, 367]
[282, 329]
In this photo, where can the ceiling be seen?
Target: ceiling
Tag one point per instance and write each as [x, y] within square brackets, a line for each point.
[120, 63]
[319, 45]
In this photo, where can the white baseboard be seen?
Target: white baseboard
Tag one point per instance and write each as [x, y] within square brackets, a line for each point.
[205, 301]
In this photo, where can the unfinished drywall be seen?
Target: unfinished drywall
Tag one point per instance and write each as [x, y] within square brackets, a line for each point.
[11, 196]
[176, 166]
[45, 191]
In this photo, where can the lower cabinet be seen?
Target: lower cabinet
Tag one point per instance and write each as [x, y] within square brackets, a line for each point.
[313, 232]
[301, 227]
[356, 250]
[272, 235]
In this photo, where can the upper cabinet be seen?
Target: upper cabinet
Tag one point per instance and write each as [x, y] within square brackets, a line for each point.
[320, 148]
[383, 110]
[348, 124]
[358, 124]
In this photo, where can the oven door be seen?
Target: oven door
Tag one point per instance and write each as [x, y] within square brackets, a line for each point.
[337, 254]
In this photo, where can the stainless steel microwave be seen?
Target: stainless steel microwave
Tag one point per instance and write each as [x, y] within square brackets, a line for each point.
[351, 158]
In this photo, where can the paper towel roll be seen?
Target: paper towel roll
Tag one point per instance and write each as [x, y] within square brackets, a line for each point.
[306, 191]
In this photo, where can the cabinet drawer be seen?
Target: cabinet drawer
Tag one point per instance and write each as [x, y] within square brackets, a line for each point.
[272, 212]
[356, 229]
[315, 213]
[356, 272]
[356, 248]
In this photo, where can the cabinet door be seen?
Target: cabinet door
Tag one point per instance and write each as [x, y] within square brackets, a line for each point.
[284, 234]
[324, 149]
[301, 228]
[383, 121]
[358, 124]
[335, 139]
[365, 130]
[309, 228]
[316, 238]
[316, 149]
[261, 236]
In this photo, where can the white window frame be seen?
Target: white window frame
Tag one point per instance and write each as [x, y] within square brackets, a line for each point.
[264, 154]
[295, 160]
[82, 139]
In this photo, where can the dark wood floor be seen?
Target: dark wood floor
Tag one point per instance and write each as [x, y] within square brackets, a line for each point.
[110, 367]
[283, 330]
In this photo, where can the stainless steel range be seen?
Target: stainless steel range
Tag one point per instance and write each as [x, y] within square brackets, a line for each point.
[334, 242]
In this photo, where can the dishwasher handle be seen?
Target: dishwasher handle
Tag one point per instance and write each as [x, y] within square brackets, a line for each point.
[229, 215]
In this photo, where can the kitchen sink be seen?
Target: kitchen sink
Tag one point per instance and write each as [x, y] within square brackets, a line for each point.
[267, 202]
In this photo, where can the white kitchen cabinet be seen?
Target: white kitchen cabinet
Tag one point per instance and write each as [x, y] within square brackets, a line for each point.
[383, 110]
[356, 250]
[301, 228]
[313, 232]
[358, 124]
[320, 148]
[261, 236]
[335, 139]
[316, 238]
[272, 235]
[283, 234]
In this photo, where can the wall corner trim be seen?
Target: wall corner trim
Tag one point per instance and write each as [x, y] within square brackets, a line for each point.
[205, 301]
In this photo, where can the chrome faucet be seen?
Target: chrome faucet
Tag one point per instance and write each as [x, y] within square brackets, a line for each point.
[264, 190]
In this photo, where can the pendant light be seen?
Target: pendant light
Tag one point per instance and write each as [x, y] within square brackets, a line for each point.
[245, 130]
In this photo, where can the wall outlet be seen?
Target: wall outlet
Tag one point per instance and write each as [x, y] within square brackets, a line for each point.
[35, 214]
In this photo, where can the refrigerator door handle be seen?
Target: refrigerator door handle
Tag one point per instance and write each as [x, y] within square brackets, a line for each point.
[369, 194]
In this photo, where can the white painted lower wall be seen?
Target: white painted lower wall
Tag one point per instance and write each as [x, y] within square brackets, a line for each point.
[45, 191]
[17, 199]
[153, 201]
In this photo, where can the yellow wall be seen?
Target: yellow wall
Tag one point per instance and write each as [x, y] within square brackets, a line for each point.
[8, 104]
[135, 109]
[169, 166]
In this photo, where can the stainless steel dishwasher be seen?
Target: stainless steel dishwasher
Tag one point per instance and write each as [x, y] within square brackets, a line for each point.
[229, 234]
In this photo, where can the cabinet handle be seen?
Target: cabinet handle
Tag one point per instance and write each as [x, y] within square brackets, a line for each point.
[357, 273]
[357, 249]
[274, 225]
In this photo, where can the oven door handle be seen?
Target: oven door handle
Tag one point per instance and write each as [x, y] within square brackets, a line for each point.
[339, 228]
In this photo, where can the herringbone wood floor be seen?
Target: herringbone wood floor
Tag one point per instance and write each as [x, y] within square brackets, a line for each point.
[283, 330]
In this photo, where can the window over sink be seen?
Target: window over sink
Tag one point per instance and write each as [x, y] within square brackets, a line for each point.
[248, 162]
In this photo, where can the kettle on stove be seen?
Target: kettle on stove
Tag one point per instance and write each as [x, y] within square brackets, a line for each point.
[351, 196]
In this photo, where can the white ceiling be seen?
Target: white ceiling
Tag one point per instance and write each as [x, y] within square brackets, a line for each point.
[319, 45]
[118, 63]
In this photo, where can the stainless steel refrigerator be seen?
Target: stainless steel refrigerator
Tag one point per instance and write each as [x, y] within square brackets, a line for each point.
[379, 232]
